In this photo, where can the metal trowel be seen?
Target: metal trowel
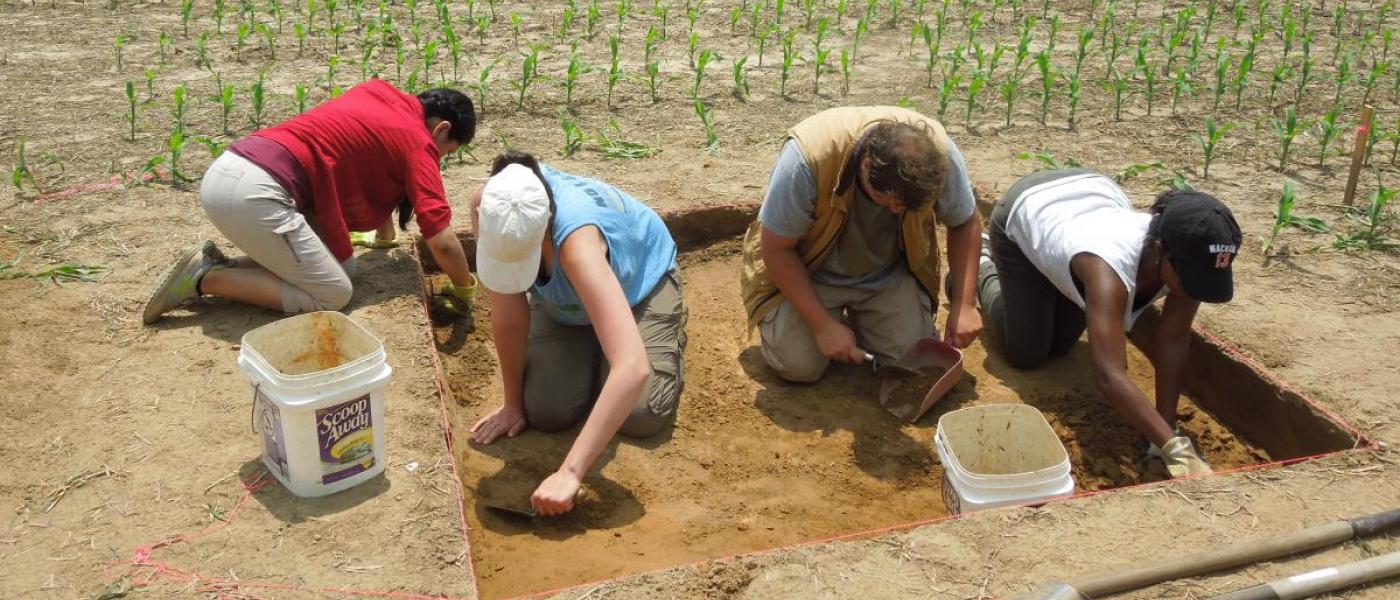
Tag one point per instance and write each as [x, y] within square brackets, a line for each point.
[525, 511]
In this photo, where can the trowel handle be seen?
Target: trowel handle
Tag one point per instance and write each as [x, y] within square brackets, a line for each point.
[870, 359]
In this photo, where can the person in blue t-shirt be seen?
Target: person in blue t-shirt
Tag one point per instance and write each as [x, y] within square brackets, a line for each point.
[587, 313]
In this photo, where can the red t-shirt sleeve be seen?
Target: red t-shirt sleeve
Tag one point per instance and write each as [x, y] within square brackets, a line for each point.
[423, 185]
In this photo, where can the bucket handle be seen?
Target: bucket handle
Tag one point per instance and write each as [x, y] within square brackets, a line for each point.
[253, 410]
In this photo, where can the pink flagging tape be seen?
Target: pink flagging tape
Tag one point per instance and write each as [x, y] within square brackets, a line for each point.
[115, 183]
[439, 379]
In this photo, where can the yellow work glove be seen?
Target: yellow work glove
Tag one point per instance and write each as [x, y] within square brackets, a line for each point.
[368, 239]
[455, 300]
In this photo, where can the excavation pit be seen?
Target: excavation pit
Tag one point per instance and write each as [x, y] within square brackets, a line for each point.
[756, 463]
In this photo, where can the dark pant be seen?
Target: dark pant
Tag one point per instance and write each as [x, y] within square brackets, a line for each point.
[1030, 317]
[565, 367]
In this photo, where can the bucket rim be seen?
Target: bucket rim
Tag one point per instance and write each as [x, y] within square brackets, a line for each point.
[950, 459]
[280, 378]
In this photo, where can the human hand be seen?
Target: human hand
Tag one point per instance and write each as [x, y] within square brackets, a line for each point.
[556, 494]
[455, 301]
[506, 421]
[963, 327]
[837, 342]
[369, 239]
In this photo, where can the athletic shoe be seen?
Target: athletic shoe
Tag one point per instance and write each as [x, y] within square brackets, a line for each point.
[180, 281]
[985, 257]
[1181, 459]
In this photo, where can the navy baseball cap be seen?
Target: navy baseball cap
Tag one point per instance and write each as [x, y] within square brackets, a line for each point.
[1201, 238]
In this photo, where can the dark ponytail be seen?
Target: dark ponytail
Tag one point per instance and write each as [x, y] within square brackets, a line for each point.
[517, 157]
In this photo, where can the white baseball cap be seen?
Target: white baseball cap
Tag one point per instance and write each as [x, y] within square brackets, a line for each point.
[512, 219]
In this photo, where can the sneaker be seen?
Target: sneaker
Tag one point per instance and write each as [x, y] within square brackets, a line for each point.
[1181, 459]
[180, 281]
[985, 257]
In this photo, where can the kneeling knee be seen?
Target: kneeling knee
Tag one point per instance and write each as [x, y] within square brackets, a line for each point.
[335, 298]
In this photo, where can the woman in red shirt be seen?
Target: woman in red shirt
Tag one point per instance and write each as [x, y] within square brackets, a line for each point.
[288, 196]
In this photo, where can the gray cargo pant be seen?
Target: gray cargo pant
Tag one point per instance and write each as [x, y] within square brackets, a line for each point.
[565, 367]
[886, 322]
[1029, 316]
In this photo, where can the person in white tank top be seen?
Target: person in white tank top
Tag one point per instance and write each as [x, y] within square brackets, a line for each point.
[1067, 253]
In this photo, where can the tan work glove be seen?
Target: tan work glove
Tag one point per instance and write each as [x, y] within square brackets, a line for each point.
[1182, 460]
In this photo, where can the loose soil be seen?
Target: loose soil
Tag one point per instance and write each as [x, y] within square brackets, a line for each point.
[754, 462]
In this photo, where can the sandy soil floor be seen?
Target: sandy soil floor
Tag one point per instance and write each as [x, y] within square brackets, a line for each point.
[118, 437]
[754, 462]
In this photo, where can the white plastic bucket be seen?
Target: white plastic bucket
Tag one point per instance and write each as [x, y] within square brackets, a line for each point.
[1000, 455]
[318, 401]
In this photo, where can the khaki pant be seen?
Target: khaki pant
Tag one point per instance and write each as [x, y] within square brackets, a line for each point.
[886, 322]
[258, 216]
[565, 367]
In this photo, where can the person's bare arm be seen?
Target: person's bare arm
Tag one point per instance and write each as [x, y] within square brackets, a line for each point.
[510, 330]
[964, 247]
[1171, 346]
[386, 232]
[584, 259]
[1105, 298]
[836, 341]
[447, 252]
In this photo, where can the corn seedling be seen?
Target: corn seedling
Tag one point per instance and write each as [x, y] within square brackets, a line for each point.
[573, 134]
[528, 74]
[1010, 89]
[974, 87]
[1210, 142]
[130, 108]
[576, 69]
[707, 121]
[612, 147]
[862, 27]
[177, 109]
[455, 51]
[819, 56]
[1222, 70]
[176, 146]
[1048, 76]
[1150, 76]
[1304, 68]
[949, 83]
[70, 273]
[219, 16]
[201, 50]
[1048, 160]
[1280, 76]
[1372, 217]
[789, 55]
[164, 43]
[186, 11]
[213, 146]
[845, 71]
[1286, 130]
[741, 78]
[1368, 81]
[226, 98]
[1246, 66]
[258, 97]
[1284, 217]
[701, 61]
[483, 84]
[653, 64]
[22, 171]
[1119, 86]
[615, 72]
[300, 95]
[1330, 129]
[1181, 86]
[623, 8]
[591, 21]
[1343, 76]
[121, 41]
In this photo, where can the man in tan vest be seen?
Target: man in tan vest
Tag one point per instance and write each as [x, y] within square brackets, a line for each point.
[842, 262]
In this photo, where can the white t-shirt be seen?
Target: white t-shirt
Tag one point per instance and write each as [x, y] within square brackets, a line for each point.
[1055, 221]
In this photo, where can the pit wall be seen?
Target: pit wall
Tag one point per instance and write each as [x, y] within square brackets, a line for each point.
[1242, 393]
